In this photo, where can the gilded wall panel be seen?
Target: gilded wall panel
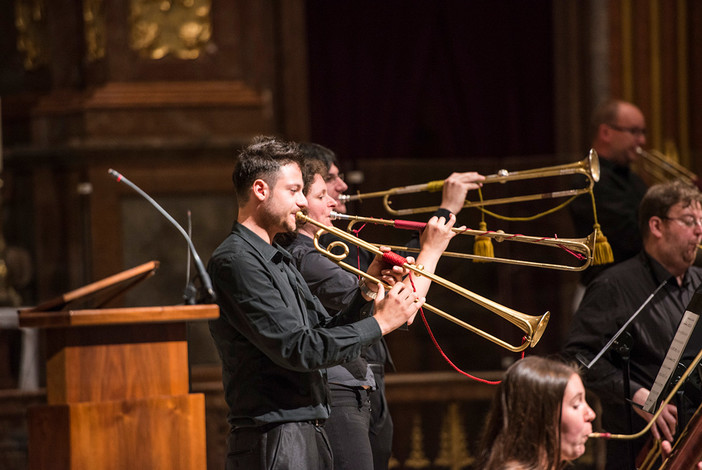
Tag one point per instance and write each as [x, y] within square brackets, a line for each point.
[30, 21]
[181, 28]
[94, 26]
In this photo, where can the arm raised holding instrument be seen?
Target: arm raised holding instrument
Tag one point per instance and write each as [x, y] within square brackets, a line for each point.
[434, 239]
[454, 192]
[434, 236]
[456, 188]
[387, 266]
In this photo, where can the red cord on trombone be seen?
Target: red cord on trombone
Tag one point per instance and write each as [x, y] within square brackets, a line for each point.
[419, 226]
[395, 259]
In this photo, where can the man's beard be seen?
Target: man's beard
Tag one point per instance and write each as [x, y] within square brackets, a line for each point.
[274, 219]
[300, 223]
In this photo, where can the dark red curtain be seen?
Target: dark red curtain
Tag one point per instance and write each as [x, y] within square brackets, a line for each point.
[421, 79]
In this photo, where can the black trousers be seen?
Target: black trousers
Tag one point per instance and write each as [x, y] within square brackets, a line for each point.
[286, 446]
[381, 429]
[348, 428]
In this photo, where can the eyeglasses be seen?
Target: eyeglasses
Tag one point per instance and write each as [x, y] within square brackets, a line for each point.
[331, 177]
[635, 131]
[688, 220]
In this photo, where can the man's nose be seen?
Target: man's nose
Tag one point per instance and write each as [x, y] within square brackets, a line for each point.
[301, 201]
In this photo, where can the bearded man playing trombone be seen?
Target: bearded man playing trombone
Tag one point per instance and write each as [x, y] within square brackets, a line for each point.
[274, 337]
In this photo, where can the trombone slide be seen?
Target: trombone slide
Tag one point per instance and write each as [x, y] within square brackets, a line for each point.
[589, 166]
[532, 326]
[432, 186]
[663, 168]
[582, 248]
[661, 407]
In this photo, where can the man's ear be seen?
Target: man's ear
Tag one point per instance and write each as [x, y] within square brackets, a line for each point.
[655, 226]
[260, 189]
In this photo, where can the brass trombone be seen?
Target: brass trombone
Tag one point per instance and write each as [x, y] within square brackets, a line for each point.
[589, 166]
[686, 449]
[667, 400]
[532, 326]
[662, 168]
[581, 247]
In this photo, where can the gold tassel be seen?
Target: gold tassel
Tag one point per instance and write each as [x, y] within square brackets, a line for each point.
[603, 251]
[483, 246]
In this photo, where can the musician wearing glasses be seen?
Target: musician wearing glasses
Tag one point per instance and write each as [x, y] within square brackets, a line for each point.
[618, 130]
[275, 339]
[670, 222]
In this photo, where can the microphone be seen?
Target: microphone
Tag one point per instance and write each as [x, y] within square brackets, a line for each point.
[208, 296]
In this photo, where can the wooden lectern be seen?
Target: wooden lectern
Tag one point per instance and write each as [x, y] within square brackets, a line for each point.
[116, 383]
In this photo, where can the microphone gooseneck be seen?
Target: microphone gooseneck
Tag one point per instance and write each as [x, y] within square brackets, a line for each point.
[209, 295]
[582, 359]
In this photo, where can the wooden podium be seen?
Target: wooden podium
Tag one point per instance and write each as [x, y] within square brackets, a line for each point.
[116, 383]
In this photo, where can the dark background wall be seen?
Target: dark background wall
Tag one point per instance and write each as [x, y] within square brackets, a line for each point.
[431, 79]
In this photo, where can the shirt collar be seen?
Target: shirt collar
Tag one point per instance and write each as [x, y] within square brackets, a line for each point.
[269, 252]
[616, 167]
[661, 274]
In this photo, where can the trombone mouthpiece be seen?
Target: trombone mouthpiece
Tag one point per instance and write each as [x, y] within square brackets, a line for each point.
[639, 150]
[333, 215]
[344, 197]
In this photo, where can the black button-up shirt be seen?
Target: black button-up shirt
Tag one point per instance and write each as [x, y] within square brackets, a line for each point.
[609, 301]
[335, 288]
[274, 337]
